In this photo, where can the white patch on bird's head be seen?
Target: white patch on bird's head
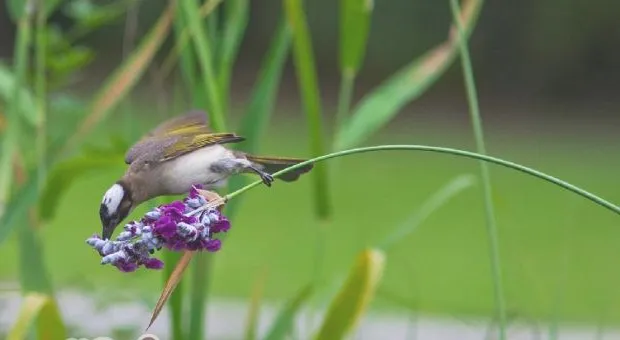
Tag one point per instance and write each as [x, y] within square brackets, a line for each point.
[113, 197]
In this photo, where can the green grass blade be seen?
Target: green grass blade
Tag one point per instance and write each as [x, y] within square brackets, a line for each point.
[262, 102]
[303, 57]
[205, 59]
[27, 104]
[125, 77]
[355, 18]
[382, 104]
[254, 308]
[354, 26]
[33, 274]
[9, 142]
[41, 91]
[347, 308]
[436, 201]
[201, 267]
[236, 14]
[283, 323]
[175, 302]
[42, 310]
[64, 173]
[472, 98]
[17, 209]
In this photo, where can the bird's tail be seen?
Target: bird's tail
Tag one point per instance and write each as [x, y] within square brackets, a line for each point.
[275, 164]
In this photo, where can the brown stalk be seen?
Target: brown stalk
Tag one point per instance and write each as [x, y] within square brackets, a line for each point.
[177, 273]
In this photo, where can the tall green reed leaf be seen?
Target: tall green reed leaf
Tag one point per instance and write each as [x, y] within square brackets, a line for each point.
[27, 105]
[33, 273]
[216, 114]
[16, 8]
[448, 151]
[125, 77]
[182, 37]
[474, 110]
[17, 209]
[354, 26]
[284, 321]
[303, 57]
[40, 309]
[13, 130]
[347, 308]
[175, 305]
[383, 103]
[262, 101]
[436, 201]
[216, 117]
[41, 88]
[254, 308]
[236, 15]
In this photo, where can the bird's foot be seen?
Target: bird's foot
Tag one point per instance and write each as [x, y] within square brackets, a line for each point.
[267, 178]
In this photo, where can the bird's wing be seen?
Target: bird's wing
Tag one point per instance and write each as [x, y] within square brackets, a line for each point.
[177, 136]
[188, 143]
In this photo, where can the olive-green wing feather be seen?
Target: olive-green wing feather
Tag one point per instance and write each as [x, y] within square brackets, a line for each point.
[189, 143]
[177, 136]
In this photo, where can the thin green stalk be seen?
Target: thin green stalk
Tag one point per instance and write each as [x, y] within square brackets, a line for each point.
[303, 58]
[41, 90]
[474, 110]
[9, 143]
[192, 16]
[455, 152]
[344, 98]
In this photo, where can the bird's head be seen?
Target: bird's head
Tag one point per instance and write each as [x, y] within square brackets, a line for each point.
[117, 203]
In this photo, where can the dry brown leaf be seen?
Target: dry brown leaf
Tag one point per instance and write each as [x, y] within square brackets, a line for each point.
[177, 273]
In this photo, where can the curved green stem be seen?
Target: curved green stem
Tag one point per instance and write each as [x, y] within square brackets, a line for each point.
[455, 152]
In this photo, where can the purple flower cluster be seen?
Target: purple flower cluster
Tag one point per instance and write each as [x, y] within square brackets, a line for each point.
[180, 225]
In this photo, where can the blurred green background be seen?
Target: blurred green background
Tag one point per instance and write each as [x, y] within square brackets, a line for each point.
[548, 80]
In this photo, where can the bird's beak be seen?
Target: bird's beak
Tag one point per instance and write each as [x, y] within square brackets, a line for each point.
[108, 229]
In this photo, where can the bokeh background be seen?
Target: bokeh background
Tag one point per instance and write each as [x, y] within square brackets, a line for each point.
[548, 77]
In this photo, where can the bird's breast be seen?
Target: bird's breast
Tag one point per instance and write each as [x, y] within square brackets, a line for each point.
[179, 174]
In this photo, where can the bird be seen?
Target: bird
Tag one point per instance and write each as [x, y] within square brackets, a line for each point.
[177, 154]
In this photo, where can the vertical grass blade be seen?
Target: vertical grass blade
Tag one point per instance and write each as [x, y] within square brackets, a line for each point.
[41, 89]
[27, 104]
[436, 201]
[125, 77]
[354, 26]
[33, 273]
[9, 142]
[346, 309]
[236, 15]
[182, 37]
[474, 110]
[379, 106]
[42, 309]
[283, 323]
[191, 13]
[254, 308]
[262, 102]
[303, 57]
[176, 297]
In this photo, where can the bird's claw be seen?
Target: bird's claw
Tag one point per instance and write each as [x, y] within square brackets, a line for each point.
[267, 178]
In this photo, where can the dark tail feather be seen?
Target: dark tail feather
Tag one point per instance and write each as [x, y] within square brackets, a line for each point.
[275, 164]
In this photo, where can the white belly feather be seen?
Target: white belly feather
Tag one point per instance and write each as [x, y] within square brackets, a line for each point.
[181, 173]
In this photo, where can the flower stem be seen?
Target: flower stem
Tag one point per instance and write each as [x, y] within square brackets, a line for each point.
[474, 111]
[455, 152]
